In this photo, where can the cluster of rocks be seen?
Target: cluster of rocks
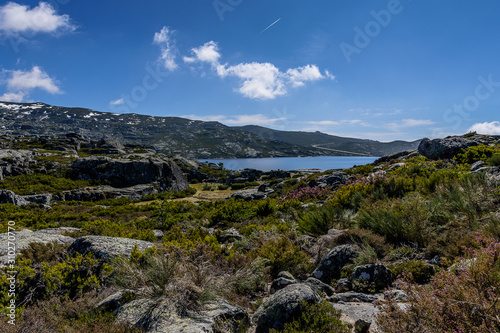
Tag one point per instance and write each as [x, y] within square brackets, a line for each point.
[284, 303]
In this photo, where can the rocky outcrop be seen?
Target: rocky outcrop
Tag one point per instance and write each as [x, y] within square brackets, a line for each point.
[319, 287]
[151, 316]
[107, 192]
[283, 306]
[23, 238]
[332, 263]
[105, 247]
[7, 196]
[15, 162]
[127, 172]
[444, 148]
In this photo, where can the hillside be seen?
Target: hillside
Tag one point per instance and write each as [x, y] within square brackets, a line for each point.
[335, 144]
[169, 135]
[179, 136]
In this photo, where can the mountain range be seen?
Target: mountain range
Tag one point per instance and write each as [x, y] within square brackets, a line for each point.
[185, 137]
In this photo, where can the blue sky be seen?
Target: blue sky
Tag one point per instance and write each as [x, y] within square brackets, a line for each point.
[382, 70]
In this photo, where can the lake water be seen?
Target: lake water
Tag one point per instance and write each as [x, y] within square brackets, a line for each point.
[293, 163]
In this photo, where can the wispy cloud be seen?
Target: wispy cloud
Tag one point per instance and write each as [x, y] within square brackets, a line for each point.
[405, 123]
[167, 46]
[269, 26]
[117, 102]
[491, 128]
[16, 19]
[242, 119]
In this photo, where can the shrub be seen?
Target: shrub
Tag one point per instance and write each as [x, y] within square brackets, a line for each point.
[283, 255]
[363, 237]
[416, 270]
[465, 300]
[318, 318]
[494, 160]
[476, 153]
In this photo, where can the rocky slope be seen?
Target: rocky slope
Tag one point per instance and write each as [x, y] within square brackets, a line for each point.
[179, 136]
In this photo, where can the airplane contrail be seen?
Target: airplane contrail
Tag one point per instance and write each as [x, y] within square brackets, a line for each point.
[271, 25]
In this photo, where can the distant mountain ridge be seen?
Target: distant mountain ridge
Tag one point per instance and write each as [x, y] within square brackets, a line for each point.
[341, 145]
[180, 136]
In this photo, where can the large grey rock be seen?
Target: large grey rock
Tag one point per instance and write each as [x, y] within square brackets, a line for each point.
[216, 317]
[41, 199]
[334, 179]
[127, 172]
[23, 238]
[7, 196]
[332, 263]
[105, 247]
[444, 148]
[352, 296]
[107, 192]
[370, 276]
[283, 306]
[252, 194]
[354, 312]
[280, 283]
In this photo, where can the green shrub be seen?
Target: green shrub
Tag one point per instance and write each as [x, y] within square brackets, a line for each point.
[318, 318]
[364, 237]
[494, 160]
[283, 255]
[416, 270]
[232, 211]
[240, 186]
[476, 153]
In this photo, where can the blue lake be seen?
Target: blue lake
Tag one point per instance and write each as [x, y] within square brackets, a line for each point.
[293, 163]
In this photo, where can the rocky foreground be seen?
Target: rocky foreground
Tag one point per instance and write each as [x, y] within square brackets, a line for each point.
[355, 242]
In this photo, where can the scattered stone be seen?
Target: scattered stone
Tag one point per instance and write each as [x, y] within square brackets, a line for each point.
[116, 300]
[280, 283]
[332, 263]
[343, 285]
[105, 247]
[230, 236]
[40, 199]
[158, 234]
[283, 306]
[397, 295]
[319, 287]
[362, 326]
[370, 276]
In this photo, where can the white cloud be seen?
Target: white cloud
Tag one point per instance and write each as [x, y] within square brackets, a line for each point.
[491, 128]
[260, 80]
[28, 80]
[242, 119]
[297, 76]
[16, 19]
[335, 123]
[117, 102]
[164, 40]
[208, 52]
[12, 97]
